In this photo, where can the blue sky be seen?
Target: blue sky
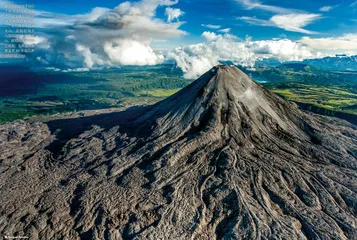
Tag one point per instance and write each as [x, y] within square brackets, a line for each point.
[194, 33]
[336, 21]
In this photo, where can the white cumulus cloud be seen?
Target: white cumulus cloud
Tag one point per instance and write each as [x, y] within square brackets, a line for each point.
[107, 37]
[210, 36]
[130, 52]
[173, 13]
[194, 60]
[282, 49]
[326, 8]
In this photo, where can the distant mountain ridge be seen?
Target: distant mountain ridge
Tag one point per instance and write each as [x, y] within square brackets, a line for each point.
[337, 63]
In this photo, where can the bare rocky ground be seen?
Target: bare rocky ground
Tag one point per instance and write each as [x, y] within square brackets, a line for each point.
[221, 159]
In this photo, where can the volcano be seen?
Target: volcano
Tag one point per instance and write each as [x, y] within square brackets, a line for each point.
[223, 158]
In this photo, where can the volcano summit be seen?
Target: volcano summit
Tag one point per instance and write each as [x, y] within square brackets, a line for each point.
[223, 158]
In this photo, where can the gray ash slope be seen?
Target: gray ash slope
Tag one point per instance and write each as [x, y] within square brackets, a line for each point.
[221, 159]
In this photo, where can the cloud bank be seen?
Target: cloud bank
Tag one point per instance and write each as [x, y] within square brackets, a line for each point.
[196, 59]
[344, 44]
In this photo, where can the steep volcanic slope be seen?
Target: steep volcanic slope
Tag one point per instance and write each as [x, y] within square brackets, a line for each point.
[221, 159]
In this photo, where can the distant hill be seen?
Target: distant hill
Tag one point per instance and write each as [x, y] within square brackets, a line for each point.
[337, 63]
[297, 67]
[303, 73]
[268, 62]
